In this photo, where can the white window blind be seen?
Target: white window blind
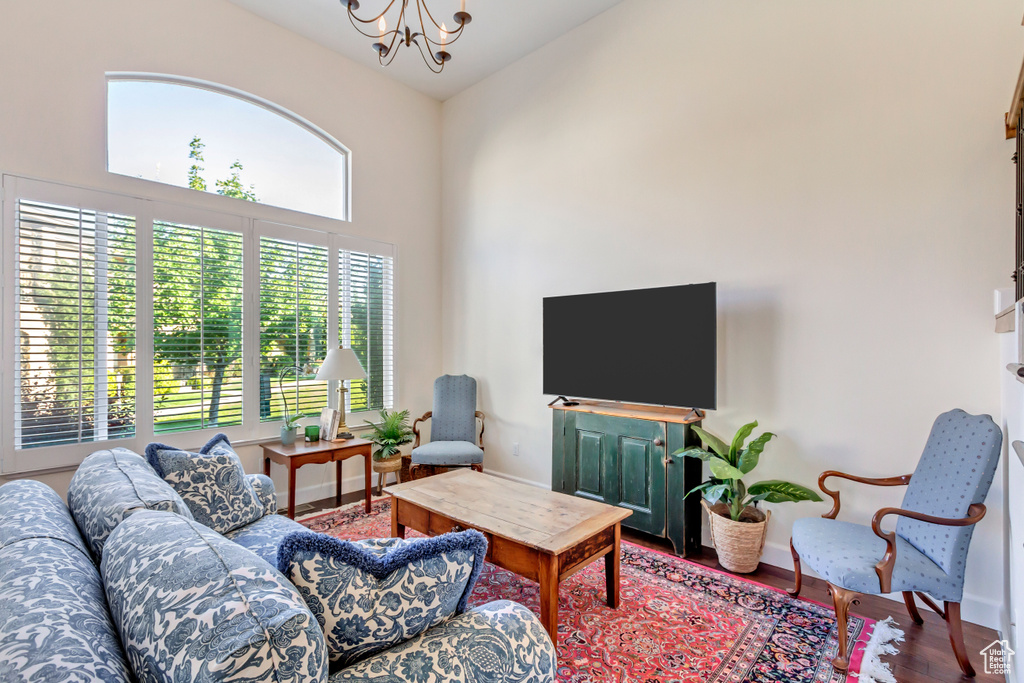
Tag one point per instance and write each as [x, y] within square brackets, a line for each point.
[294, 296]
[197, 327]
[75, 325]
[125, 319]
[366, 325]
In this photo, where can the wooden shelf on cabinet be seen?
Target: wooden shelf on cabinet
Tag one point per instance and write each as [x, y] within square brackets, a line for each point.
[637, 411]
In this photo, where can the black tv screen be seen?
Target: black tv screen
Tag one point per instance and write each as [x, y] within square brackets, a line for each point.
[643, 346]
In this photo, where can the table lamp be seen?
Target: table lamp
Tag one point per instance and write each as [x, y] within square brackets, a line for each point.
[339, 365]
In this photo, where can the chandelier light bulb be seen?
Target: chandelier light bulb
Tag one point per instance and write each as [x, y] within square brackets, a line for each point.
[444, 34]
[382, 26]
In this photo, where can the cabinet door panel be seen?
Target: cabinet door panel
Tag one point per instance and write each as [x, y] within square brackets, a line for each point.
[641, 478]
[635, 472]
[590, 462]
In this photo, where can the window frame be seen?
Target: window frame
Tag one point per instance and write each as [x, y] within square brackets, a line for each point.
[228, 91]
[252, 224]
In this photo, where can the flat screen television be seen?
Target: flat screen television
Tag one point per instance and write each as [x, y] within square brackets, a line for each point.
[652, 346]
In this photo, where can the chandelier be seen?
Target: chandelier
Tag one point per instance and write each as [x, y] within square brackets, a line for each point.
[390, 39]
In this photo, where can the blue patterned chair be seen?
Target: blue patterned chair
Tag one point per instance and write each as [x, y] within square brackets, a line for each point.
[927, 552]
[453, 436]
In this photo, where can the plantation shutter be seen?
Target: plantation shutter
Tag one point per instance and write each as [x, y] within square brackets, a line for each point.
[294, 293]
[197, 327]
[366, 283]
[75, 325]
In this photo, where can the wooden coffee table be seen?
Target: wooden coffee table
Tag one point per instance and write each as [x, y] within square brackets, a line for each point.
[539, 534]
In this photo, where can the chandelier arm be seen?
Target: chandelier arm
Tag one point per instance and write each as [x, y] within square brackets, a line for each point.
[392, 51]
[385, 58]
[373, 20]
[429, 59]
[401, 15]
[452, 35]
[421, 7]
[357, 27]
[391, 58]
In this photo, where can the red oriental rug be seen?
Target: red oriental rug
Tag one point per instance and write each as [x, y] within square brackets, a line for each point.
[678, 621]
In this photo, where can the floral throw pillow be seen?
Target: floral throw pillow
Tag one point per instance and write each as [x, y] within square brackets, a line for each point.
[211, 482]
[371, 595]
[193, 607]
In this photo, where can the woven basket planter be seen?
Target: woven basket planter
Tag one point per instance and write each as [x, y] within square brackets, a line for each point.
[739, 544]
[386, 467]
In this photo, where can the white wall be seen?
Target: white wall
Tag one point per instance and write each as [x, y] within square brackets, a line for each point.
[839, 169]
[53, 57]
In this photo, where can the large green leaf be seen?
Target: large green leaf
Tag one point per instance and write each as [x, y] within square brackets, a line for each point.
[782, 491]
[695, 453]
[748, 460]
[713, 442]
[737, 441]
[753, 499]
[701, 487]
[715, 493]
[720, 469]
[711, 490]
[752, 453]
[699, 453]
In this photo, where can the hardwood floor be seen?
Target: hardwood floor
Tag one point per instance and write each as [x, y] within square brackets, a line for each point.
[925, 654]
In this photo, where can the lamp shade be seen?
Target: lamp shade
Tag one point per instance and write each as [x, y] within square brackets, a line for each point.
[341, 364]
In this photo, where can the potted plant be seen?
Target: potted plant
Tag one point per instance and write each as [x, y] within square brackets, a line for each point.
[389, 435]
[291, 423]
[738, 527]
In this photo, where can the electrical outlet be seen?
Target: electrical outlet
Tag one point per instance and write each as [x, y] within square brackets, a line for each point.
[515, 448]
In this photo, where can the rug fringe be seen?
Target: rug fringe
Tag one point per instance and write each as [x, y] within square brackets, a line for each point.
[872, 668]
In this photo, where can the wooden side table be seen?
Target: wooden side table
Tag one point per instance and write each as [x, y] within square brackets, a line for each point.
[318, 453]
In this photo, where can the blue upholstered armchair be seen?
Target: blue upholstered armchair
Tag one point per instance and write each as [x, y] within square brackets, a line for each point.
[927, 552]
[453, 436]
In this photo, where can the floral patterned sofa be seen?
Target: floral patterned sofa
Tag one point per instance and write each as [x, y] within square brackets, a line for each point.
[127, 586]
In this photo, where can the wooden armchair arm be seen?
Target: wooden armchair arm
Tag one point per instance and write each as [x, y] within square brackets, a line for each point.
[884, 568]
[834, 495]
[415, 428]
[481, 416]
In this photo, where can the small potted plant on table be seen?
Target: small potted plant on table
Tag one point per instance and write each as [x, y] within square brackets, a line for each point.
[389, 435]
[291, 423]
[738, 528]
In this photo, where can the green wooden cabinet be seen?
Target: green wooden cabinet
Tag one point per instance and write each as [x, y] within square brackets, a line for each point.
[626, 461]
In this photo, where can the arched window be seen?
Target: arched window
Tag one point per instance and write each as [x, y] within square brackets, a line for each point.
[212, 138]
